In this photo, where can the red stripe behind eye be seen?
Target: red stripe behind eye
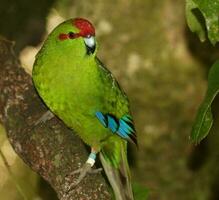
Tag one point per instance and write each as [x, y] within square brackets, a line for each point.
[63, 36]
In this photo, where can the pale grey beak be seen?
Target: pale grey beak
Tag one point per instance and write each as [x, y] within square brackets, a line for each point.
[90, 41]
[90, 44]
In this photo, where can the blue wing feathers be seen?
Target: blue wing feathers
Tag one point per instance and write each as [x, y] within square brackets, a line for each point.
[124, 127]
[122, 133]
[112, 123]
[127, 118]
[101, 118]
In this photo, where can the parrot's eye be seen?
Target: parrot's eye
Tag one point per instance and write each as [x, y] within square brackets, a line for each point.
[71, 35]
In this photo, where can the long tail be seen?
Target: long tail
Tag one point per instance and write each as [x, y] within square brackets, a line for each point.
[114, 160]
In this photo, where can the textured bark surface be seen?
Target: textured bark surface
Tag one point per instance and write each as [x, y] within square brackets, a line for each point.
[50, 149]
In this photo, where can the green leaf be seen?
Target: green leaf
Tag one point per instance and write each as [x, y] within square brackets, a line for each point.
[204, 119]
[140, 192]
[193, 21]
[210, 11]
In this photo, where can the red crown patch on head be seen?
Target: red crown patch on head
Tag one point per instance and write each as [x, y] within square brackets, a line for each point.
[85, 27]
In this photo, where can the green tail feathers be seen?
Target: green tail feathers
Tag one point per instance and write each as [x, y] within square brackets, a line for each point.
[113, 157]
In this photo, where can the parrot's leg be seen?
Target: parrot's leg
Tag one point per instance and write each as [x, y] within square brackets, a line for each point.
[45, 117]
[85, 169]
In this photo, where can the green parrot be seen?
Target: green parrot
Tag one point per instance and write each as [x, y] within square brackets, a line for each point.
[84, 94]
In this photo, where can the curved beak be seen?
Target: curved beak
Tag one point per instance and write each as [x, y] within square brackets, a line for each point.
[90, 44]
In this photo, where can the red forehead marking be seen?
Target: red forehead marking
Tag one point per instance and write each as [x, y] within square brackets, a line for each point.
[85, 27]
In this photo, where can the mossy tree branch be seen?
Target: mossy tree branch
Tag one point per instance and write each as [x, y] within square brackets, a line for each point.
[50, 149]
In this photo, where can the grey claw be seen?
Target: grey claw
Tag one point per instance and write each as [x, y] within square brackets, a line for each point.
[45, 117]
[95, 171]
[83, 172]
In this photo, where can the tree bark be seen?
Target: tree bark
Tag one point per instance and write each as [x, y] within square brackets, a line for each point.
[50, 149]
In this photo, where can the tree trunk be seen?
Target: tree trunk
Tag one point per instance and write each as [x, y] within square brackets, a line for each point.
[50, 149]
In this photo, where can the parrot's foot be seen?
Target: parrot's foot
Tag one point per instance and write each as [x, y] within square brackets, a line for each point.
[86, 169]
[45, 117]
[90, 171]
[83, 171]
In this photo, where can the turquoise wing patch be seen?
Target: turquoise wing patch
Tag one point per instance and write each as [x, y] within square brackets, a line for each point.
[113, 124]
[124, 127]
[102, 118]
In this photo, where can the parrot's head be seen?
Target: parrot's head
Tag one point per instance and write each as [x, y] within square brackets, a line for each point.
[77, 35]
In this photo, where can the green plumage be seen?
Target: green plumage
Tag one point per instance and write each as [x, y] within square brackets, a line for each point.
[75, 85]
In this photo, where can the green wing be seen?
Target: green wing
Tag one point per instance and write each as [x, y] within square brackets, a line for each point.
[115, 114]
[115, 99]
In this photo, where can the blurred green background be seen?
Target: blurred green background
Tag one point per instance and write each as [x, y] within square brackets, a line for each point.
[162, 67]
